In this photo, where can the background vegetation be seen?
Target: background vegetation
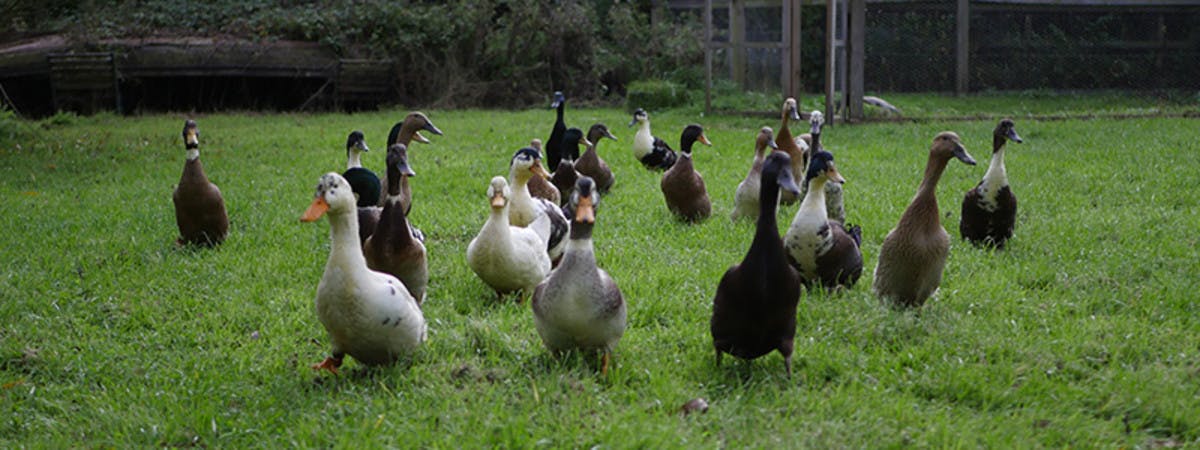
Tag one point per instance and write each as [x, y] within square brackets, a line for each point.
[1083, 333]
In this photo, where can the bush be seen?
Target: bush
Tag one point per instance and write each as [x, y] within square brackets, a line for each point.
[656, 95]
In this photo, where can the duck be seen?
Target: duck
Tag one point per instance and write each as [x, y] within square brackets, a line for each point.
[506, 257]
[654, 153]
[784, 142]
[590, 163]
[555, 149]
[405, 132]
[682, 185]
[525, 210]
[540, 187]
[369, 315]
[392, 248]
[579, 306]
[913, 254]
[821, 249]
[834, 203]
[199, 207]
[989, 210]
[745, 198]
[365, 183]
[565, 177]
[754, 310]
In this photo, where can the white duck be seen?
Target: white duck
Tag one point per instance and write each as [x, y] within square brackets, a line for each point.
[579, 305]
[745, 199]
[369, 315]
[506, 257]
[525, 210]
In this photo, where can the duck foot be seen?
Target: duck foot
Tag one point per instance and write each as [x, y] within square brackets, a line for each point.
[330, 363]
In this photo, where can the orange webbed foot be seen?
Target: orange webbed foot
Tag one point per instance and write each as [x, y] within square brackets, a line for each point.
[330, 363]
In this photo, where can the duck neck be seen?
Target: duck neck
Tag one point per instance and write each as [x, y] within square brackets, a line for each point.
[406, 135]
[924, 207]
[193, 154]
[497, 224]
[394, 178]
[352, 158]
[814, 200]
[996, 174]
[193, 170]
[644, 127]
[345, 249]
[766, 233]
[816, 142]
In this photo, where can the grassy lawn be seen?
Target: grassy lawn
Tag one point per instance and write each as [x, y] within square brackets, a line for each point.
[1085, 332]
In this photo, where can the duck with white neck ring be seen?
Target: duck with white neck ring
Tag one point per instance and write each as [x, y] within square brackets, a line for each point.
[199, 207]
[682, 185]
[365, 183]
[579, 306]
[369, 315]
[989, 210]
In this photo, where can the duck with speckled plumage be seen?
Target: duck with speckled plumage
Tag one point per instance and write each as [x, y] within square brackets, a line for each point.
[822, 250]
[526, 210]
[369, 315]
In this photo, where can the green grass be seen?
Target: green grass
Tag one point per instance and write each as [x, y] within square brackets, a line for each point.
[1084, 333]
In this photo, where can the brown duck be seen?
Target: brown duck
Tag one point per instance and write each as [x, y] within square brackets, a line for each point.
[392, 249]
[682, 186]
[784, 142]
[540, 187]
[913, 254]
[199, 207]
[590, 163]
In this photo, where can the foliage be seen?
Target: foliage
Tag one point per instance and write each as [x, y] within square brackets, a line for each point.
[655, 95]
[1082, 333]
[459, 52]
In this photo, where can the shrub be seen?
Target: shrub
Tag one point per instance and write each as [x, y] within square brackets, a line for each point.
[656, 94]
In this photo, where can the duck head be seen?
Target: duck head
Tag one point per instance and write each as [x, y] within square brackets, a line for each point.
[356, 142]
[526, 163]
[574, 137]
[191, 135]
[333, 196]
[778, 168]
[597, 132]
[789, 110]
[536, 144]
[498, 191]
[639, 116]
[397, 159]
[1005, 130]
[412, 124]
[815, 121]
[558, 99]
[765, 140]
[947, 145]
[820, 166]
[690, 135]
[584, 201]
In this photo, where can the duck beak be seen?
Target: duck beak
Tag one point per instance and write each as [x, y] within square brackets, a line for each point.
[704, 139]
[362, 145]
[786, 182]
[586, 142]
[498, 200]
[1012, 136]
[315, 210]
[191, 139]
[771, 143]
[633, 122]
[417, 137]
[405, 169]
[794, 113]
[537, 169]
[608, 134]
[432, 129]
[585, 212]
[962, 155]
[834, 176]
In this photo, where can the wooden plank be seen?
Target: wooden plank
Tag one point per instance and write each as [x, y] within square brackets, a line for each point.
[708, 55]
[831, 12]
[857, 49]
[962, 47]
[737, 38]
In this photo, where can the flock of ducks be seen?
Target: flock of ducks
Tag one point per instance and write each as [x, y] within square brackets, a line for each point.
[537, 239]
